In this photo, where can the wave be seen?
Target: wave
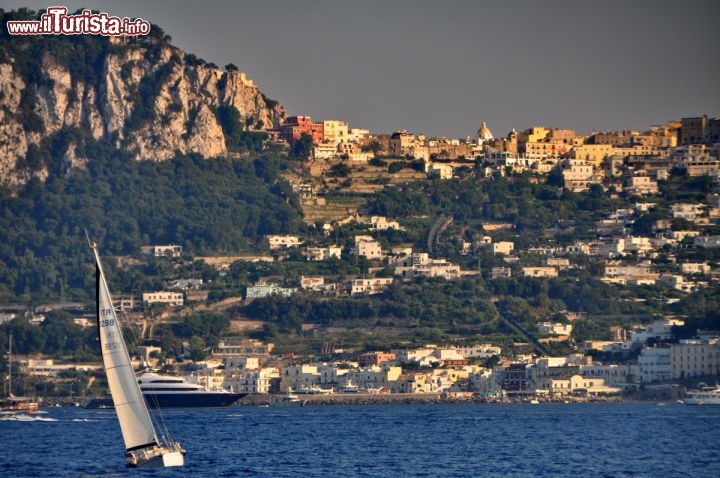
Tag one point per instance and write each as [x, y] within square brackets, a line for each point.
[28, 418]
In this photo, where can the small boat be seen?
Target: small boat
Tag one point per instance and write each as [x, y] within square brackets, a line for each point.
[314, 390]
[143, 448]
[289, 399]
[164, 391]
[11, 404]
[350, 387]
[704, 395]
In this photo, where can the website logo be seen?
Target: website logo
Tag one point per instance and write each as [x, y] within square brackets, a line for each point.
[56, 21]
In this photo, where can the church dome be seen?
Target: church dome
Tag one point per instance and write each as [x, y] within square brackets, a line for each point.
[484, 133]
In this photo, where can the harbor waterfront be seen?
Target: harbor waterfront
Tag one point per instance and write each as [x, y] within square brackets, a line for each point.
[439, 440]
[254, 400]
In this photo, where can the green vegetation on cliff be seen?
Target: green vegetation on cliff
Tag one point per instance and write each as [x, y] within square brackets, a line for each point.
[206, 206]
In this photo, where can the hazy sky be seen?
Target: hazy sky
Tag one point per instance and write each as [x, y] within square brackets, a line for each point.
[443, 67]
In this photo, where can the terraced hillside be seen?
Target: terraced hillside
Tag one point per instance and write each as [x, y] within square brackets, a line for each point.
[337, 197]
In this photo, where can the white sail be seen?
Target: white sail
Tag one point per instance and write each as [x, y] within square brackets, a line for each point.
[135, 423]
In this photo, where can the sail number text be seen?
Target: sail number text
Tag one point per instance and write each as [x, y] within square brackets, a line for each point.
[107, 319]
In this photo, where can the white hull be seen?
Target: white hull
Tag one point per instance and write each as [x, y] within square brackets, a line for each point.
[703, 396]
[288, 400]
[157, 458]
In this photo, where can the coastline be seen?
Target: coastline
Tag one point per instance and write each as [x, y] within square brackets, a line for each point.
[415, 398]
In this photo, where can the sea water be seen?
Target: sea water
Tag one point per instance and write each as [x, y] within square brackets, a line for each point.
[469, 440]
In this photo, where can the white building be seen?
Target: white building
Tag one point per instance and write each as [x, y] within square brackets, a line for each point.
[312, 282]
[485, 382]
[578, 177]
[554, 328]
[641, 185]
[686, 211]
[678, 282]
[620, 376]
[296, 376]
[695, 268]
[323, 253]
[438, 170]
[368, 247]
[542, 271]
[421, 356]
[618, 269]
[356, 135]
[239, 362]
[283, 242]
[325, 151]
[419, 264]
[655, 364]
[163, 297]
[335, 132]
[503, 247]
[638, 244]
[379, 223]
[478, 351]
[498, 272]
[693, 358]
[254, 381]
[369, 286]
[170, 250]
[610, 248]
[230, 347]
[658, 330]
[264, 290]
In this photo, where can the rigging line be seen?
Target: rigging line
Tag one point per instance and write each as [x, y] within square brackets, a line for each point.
[156, 415]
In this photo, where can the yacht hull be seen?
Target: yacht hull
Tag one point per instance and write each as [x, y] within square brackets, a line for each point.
[190, 399]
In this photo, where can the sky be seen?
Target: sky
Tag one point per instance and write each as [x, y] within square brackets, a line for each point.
[444, 67]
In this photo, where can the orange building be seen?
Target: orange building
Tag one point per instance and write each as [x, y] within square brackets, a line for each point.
[295, 126]
[376, 358]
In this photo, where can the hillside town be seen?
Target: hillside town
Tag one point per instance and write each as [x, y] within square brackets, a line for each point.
[628, 163]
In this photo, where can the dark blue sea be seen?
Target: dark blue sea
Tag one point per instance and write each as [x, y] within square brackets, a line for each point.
[472, 440]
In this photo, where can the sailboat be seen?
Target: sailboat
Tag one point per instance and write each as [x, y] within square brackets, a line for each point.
[143, 448]
[12, 404]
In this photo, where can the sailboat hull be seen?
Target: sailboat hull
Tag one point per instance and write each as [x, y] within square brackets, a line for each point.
[174, 458]
[160, 457]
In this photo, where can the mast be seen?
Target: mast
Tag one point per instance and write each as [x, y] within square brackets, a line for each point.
[10, 366]
[135, 423]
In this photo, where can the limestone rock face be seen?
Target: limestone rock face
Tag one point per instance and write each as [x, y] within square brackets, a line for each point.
[153, 104]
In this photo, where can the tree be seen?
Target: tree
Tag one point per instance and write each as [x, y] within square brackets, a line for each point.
[27, 338]
[229, 118]
[231, 67]
[339, 170]
[270, 331]
[396, 166]
[373, 146]
[303, 147]
[197, 348]
[210, 325]
[62, 335]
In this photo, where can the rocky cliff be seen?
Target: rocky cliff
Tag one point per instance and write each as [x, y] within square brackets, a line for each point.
[147, 98]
